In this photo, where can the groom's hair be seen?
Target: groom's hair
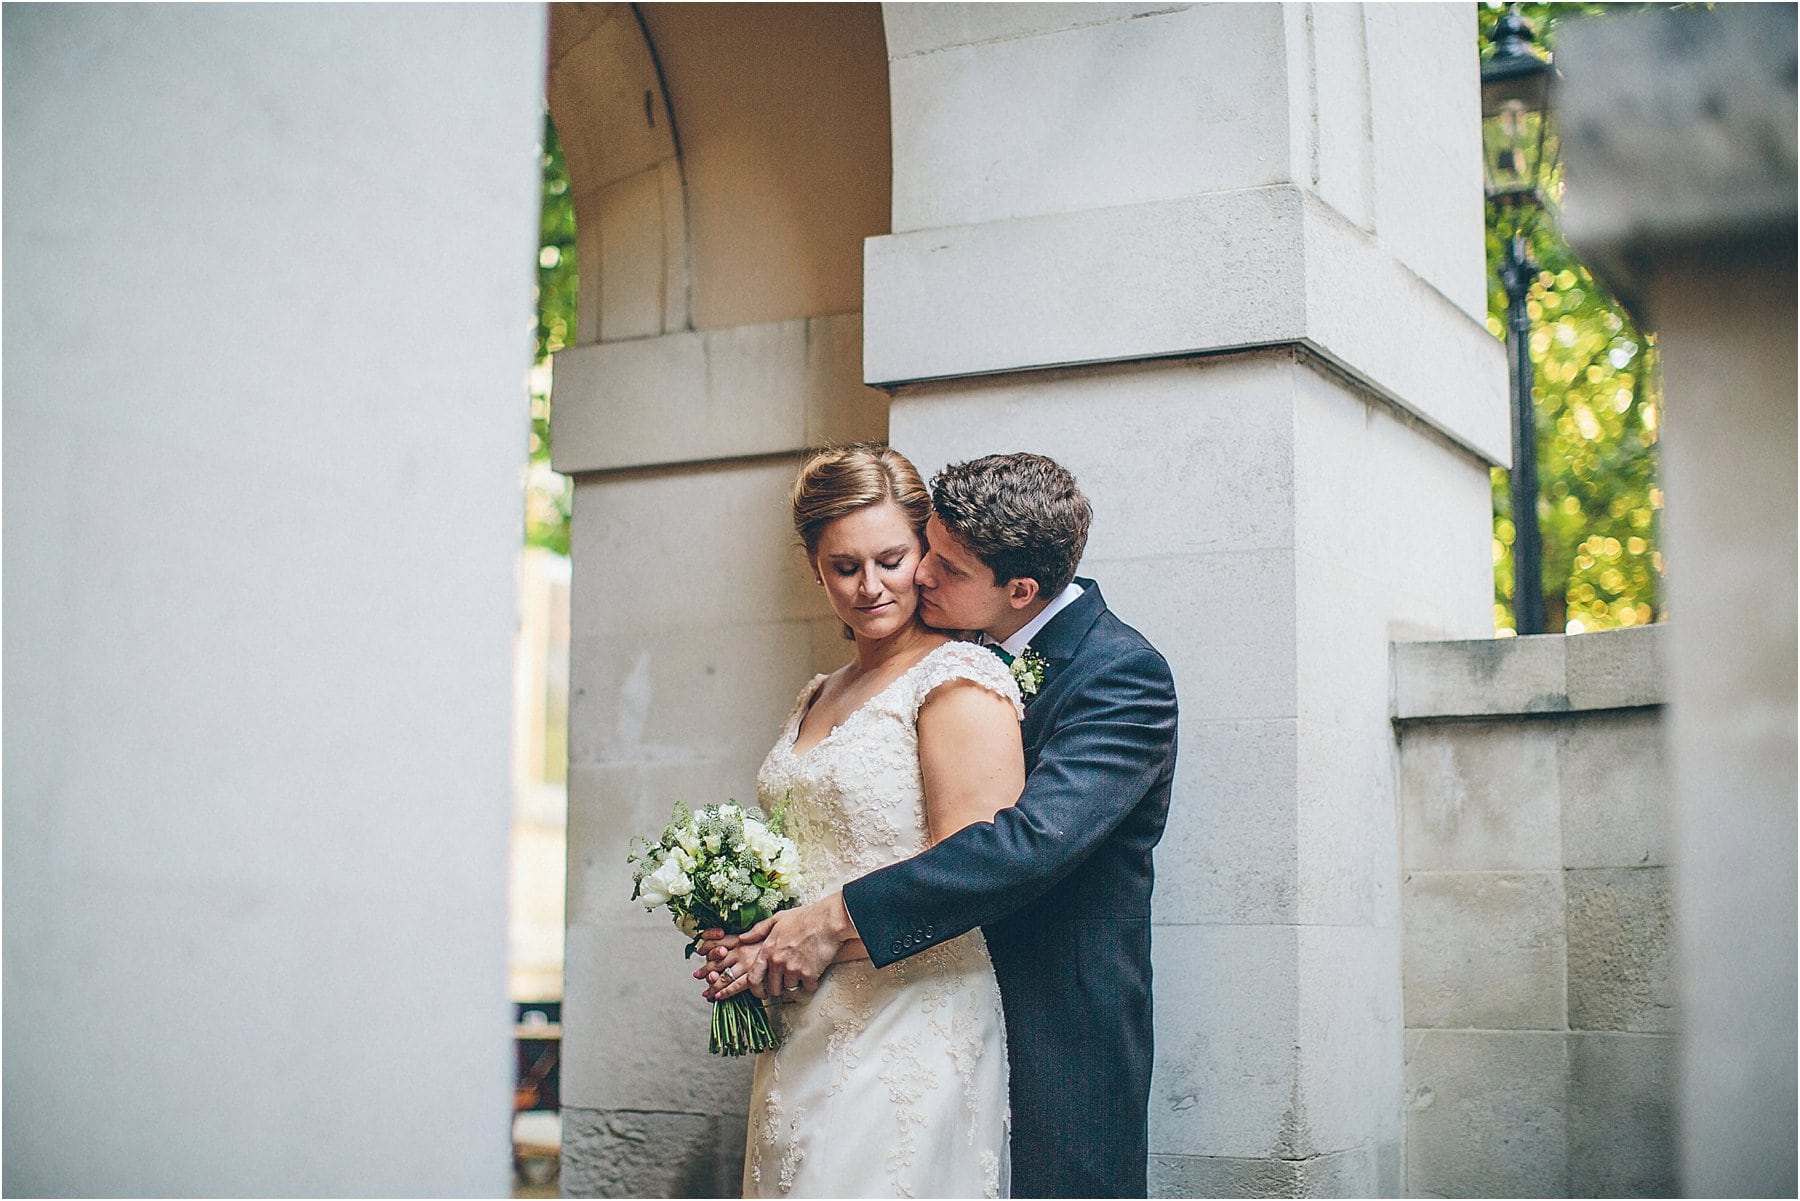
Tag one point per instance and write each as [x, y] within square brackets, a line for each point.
[1020, 514]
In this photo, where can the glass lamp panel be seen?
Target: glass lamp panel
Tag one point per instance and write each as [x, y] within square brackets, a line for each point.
[1521, 80]
[1512, 148]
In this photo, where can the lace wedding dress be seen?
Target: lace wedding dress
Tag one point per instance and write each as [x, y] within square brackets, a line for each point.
[888, 1083]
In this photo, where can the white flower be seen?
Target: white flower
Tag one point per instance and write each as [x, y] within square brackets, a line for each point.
[713, 842]
[664, 884]
[1028, 670]
[688, 839]
[729, 810]
[768, 846]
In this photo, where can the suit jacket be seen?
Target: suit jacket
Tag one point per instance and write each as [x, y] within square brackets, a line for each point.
[1060, 884]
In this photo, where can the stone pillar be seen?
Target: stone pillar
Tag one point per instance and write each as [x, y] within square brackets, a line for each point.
[1225, 262]
[1680, 146]
[267, 285]
[726, 161]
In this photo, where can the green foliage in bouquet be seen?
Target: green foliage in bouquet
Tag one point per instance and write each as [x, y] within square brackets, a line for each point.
[726, 867]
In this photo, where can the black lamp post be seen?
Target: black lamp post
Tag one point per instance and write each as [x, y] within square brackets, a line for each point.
[1515, 85]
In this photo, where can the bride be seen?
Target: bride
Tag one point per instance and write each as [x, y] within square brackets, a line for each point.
[888, 1082]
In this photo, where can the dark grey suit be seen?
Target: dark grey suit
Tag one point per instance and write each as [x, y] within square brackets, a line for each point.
[1060, 884]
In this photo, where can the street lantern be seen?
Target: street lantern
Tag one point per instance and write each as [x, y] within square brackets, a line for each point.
[1515, 112]
[1515, 95]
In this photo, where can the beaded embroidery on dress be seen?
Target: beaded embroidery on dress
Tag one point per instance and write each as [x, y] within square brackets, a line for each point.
[888, 1083]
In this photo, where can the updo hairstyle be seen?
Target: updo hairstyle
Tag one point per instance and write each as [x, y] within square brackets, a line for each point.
[842, 479]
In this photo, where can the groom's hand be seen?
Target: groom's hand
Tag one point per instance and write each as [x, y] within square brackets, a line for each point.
[798, 947]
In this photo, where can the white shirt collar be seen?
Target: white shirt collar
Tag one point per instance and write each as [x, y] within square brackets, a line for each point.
[1015, 646]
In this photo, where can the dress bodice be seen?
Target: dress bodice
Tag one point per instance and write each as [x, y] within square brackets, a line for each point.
[854, 800]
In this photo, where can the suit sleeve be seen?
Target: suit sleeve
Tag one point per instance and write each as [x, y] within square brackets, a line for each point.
[1104, 754]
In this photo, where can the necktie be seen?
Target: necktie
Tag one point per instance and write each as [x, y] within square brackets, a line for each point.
[1001, 652]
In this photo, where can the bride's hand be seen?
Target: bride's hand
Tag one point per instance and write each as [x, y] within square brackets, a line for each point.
[712, 940]
[724, 966]
[712, 944]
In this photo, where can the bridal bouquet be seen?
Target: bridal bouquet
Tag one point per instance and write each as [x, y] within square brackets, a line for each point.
[726, 867]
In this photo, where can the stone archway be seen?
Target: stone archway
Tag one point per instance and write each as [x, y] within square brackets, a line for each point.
[727, 162]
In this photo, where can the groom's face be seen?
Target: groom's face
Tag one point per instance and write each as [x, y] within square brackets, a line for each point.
[957, 591]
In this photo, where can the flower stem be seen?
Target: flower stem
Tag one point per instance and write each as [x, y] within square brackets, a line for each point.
[741, 1026]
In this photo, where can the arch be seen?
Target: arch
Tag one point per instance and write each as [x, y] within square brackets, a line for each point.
[727, 160]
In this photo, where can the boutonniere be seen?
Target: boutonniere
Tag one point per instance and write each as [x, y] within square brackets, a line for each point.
[1027, 668]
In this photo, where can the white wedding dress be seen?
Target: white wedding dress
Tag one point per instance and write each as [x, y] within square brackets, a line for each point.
[888, 1083]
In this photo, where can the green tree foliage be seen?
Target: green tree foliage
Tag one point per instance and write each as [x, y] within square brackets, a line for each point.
[1599, 404]
[547, 495]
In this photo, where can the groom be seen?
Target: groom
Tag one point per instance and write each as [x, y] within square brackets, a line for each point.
[1060, 883]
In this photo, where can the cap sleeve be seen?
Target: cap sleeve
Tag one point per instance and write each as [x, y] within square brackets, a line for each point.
[802, 702]
[966, 661]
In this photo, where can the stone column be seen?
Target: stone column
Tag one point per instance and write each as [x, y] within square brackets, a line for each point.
[1225, 262]
[1680, 146]
[267, 284]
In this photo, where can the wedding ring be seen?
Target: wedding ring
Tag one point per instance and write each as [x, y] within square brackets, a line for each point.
[731, 971]
[792, 988]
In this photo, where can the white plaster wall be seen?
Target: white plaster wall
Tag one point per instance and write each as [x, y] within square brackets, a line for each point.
[267, 281]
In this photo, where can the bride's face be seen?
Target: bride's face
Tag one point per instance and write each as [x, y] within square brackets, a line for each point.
[867, 559]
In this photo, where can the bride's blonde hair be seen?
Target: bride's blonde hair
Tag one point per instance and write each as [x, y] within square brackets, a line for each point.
[843, 479]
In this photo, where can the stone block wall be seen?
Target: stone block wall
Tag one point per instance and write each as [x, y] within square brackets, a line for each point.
[1536, 944]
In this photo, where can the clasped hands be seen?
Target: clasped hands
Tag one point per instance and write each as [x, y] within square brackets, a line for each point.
[783, 954]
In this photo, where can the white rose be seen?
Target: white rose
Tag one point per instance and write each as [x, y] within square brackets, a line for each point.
[687, 861]
[713, 842]
[665, 883]
[688, 840]
[766, 845]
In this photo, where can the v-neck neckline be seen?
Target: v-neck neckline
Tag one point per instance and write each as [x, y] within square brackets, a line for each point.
[819, 682]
